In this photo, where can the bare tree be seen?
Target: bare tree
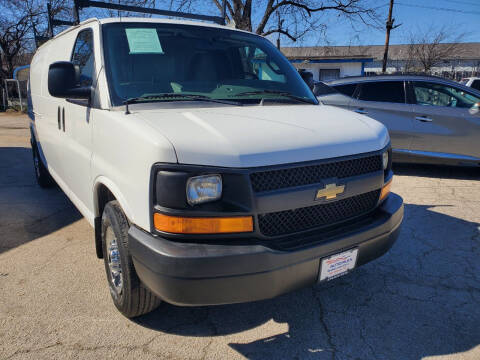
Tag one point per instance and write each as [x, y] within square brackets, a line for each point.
[431, 47]
[20, 20]
[14, 29]
[299, 16]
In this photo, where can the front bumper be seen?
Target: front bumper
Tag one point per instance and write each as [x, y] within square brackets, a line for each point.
[206, 274]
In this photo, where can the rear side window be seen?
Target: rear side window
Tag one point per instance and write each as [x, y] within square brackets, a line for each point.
[347, 89]
[83, 59]
[476, 84]
[384, 91]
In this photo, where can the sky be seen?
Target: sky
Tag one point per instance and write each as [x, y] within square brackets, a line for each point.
[459, 17]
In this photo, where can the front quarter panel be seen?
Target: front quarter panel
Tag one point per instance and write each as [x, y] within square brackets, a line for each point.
[125, 148]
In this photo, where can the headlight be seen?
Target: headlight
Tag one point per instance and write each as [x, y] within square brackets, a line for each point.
[385, 160]
[202, 189]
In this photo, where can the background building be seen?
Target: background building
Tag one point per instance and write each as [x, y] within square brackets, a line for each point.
[329, 62]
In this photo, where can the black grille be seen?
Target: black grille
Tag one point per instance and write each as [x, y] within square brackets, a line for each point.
[312, 174]
[291, 221]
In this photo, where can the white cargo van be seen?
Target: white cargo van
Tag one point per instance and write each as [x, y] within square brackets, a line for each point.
[207, 167]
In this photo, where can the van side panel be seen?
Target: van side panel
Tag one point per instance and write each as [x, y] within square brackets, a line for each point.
[34, 96]
[37, 106]
[47, 110]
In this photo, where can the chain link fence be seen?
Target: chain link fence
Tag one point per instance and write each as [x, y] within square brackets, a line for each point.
[14, 94]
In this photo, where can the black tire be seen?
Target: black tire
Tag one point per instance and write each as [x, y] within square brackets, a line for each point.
[133, 298]
[44, 179]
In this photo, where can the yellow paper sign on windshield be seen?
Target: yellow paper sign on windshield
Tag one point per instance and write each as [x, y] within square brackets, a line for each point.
[143, 41]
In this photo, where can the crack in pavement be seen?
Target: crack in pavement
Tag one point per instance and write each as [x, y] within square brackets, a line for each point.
[80, 347]
[332, 349]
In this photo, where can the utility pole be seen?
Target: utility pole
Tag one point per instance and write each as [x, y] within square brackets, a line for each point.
[280, 23]
[50, 20]
[389, 26]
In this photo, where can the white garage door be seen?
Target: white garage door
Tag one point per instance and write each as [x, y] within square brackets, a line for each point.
[329, 74]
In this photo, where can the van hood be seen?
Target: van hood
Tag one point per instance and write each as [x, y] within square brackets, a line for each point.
[250, 136]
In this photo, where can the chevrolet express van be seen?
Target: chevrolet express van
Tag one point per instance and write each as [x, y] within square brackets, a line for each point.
[207, 167]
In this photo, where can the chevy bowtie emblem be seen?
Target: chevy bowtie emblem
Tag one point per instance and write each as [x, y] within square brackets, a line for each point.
[330, 192]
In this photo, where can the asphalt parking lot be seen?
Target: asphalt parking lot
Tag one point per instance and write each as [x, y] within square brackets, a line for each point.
[420, 301]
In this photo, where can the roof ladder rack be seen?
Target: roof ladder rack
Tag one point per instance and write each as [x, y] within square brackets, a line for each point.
[55, 22]
[80, 4]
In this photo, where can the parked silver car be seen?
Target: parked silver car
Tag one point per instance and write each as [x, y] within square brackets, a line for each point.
[430, 119]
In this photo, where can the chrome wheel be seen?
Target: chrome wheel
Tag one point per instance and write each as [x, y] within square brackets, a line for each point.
[113, 260]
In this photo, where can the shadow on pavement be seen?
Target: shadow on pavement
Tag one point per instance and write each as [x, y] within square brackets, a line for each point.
[420, 299]
[27, 211]
[437, 171]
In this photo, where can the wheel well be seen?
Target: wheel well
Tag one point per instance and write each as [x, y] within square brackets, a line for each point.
[103, 196]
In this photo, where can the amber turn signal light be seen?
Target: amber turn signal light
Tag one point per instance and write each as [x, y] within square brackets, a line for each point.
[386, 189]
[196, 225]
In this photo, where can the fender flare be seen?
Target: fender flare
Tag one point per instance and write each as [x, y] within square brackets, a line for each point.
[110, 185]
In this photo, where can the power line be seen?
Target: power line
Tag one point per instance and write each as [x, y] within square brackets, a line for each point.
[462, 2]
[381, 6]
[441, 9]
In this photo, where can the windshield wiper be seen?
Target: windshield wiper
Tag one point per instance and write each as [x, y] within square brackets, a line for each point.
[162, 96]
[276, 92]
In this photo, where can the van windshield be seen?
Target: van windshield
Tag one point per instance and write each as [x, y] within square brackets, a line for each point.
[148, 59]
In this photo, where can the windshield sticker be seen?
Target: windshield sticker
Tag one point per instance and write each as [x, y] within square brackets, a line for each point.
[143, 41]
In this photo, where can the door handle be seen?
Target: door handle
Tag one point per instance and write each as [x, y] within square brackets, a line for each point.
[423, 119]
[63, 119]
[361, 111]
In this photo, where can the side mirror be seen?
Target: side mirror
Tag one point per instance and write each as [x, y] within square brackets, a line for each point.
[308, 78]
[475, 109]
[62, 82]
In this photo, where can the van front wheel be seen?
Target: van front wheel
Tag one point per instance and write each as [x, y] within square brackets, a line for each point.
[129, 295]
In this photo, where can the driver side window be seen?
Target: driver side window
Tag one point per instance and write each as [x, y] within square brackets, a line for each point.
[434, 94]
[83, 58]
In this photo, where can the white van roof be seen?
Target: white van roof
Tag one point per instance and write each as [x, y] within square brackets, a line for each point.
[162, 21]
[128, 19]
